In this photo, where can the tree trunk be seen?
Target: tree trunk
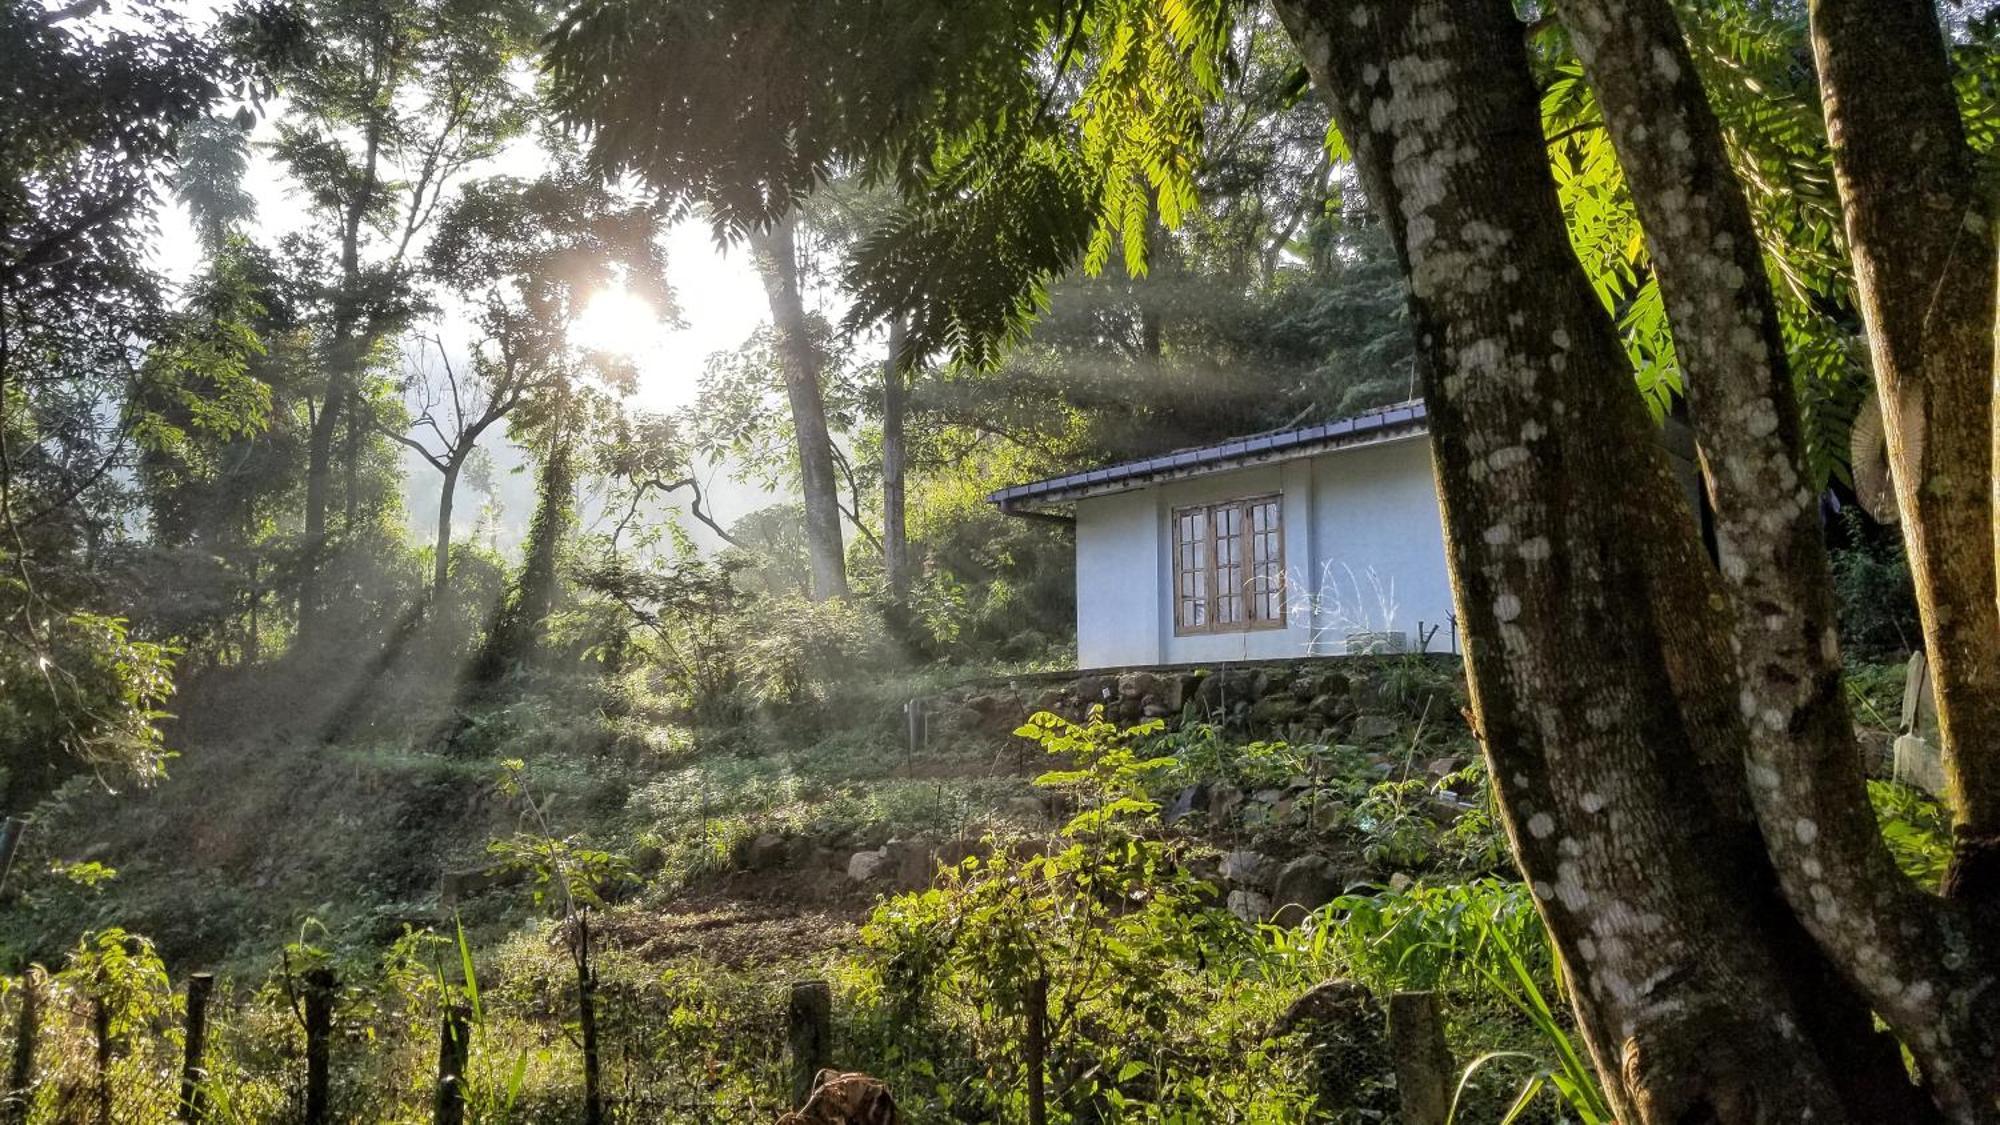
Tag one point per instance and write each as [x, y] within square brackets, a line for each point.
[343, 360]
[1921, 234]
[1598, 671]
[441, 566]
[319, 478]
[1803, 757]
[895, 460]
[777, 261]
[554, 504]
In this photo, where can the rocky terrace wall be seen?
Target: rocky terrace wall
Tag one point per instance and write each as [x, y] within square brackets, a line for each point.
[1325, 698]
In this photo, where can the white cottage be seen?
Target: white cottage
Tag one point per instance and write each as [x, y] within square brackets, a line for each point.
[1314, 541]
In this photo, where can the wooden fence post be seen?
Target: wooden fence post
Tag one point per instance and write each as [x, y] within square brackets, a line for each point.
[1424, 1066]
[199, 986]
[586, 999]
[100, 1025]
[454, 1051]
[1038, 1050]
[320, 988]
[810, 1037]
[21, 1076]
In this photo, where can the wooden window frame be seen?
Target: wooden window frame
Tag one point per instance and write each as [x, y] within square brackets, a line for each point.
[1253, 600]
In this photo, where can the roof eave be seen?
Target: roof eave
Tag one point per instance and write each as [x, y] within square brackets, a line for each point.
[1030, 499]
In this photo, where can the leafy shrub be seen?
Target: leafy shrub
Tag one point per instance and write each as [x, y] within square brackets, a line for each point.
[1115, 928]
[1916, 828]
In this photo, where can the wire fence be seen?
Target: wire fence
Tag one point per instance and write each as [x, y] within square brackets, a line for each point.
[76, 1058]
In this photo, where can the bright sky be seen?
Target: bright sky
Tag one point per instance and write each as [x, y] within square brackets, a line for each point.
[721, 302]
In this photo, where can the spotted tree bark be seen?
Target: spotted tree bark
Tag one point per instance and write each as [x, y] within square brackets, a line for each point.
[1919, 227]
[1598, 641]
[1886, 937]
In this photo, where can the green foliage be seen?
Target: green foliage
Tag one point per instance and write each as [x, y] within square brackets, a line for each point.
[1480, 945]
[1916, 828]
[1108, 919]
[1873, 592]
[87, 697]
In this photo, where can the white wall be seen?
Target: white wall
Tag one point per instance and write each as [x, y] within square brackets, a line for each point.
[1117, 579]
[1364, 550]
[1379, 558]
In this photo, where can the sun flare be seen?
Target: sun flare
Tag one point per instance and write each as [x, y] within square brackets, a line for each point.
[617, 321]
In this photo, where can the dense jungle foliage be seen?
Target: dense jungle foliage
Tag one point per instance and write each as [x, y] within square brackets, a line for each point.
[367, 642]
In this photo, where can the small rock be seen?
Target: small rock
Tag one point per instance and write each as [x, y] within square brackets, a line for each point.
[864, 867]
[1249, 906]
[1326, 816]
[1223, 803]
[1205, 868]
[1303, 886]
[1186, 803]
[1444, 767]
[1268, 796]
[1400, 882]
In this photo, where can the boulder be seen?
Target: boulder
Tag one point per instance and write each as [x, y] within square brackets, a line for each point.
[1257, 685]
[1375, 728]
[913, 863]
[1139, 685]
[1028, 808]
[1327, 705]
[1096, 689]
[1277, 710]
[1249, 905]
[1246, 868]
[866, 867]
[1304, 688]
[953, 852]
[765, 852]
[1303, 886]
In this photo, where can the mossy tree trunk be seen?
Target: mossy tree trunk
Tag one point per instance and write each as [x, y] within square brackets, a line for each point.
[1920, 228]
[1681, 842]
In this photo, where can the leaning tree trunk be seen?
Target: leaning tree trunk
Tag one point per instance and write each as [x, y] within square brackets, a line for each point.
[1920, 228]
[1601, 678]
[777, 262]
[1804, 763]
